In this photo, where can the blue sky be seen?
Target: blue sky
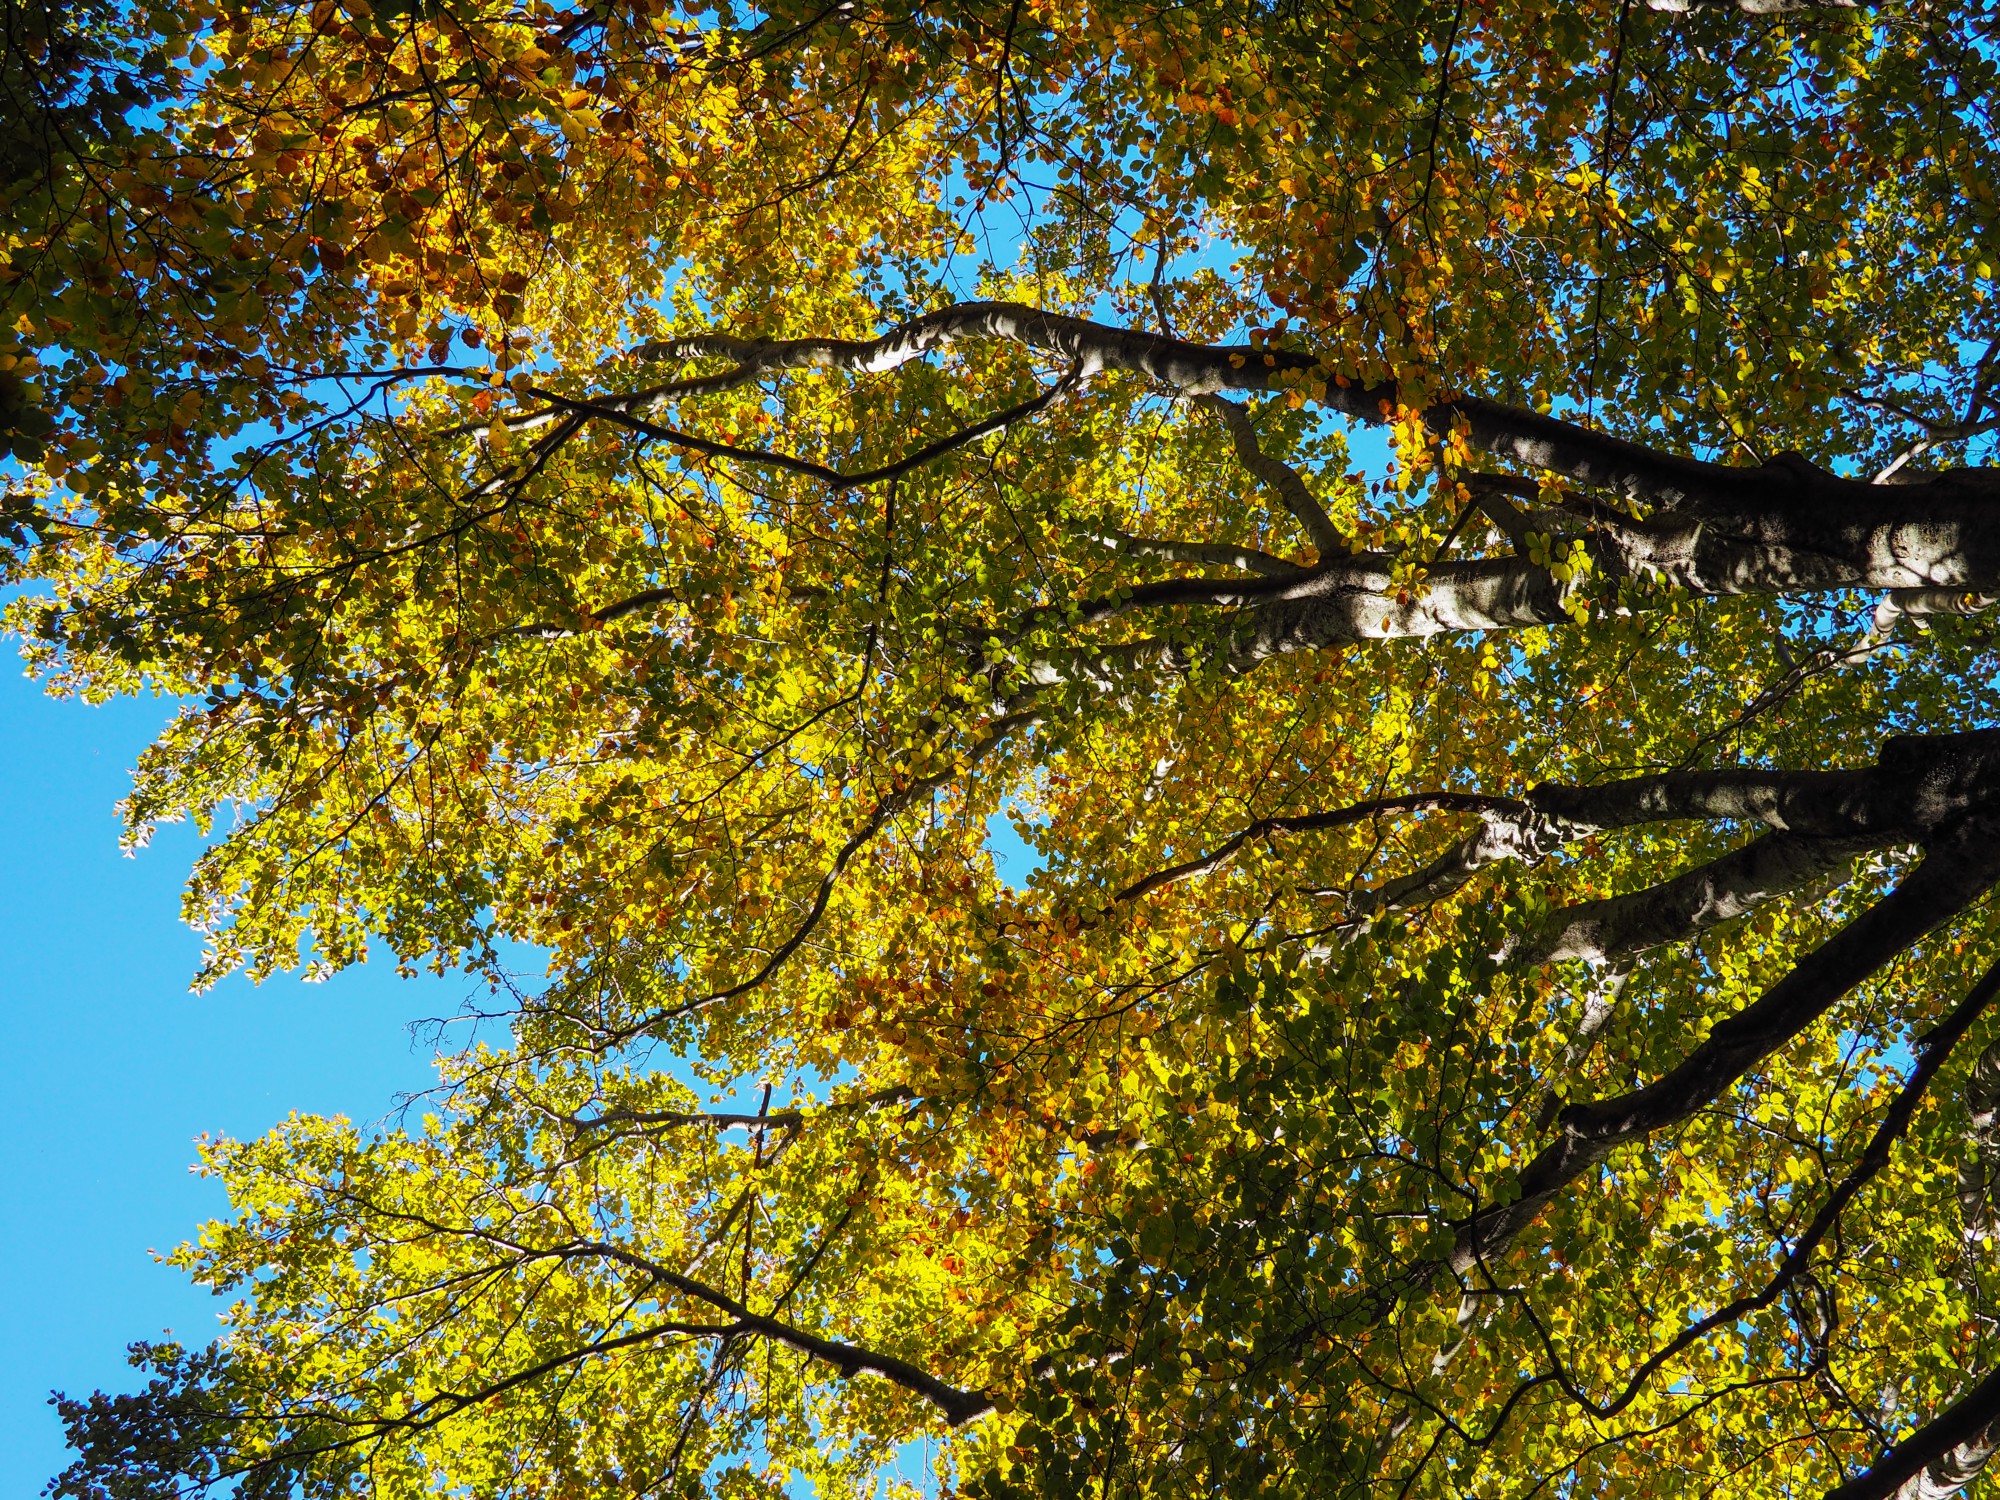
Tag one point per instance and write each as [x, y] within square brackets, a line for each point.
[112, 1067]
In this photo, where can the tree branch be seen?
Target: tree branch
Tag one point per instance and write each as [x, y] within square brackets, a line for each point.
[959, 1406]
[1202, 554]
[1919, 783]
[1940, 1458]
[833, 478]
[1281, 477]
[1310, 822]
[1934, 1048]
[1783, 527]
[1956, 871]
[1824, 820]
[1531, 438]
[1619, 927]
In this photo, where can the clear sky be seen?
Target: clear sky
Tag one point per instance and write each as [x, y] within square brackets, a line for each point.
[112, 1068]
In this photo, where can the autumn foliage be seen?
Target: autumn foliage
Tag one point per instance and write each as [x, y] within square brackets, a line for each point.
[1498, 1007]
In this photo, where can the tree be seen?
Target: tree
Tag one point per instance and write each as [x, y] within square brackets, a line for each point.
[1504, 1003]
[70, 75]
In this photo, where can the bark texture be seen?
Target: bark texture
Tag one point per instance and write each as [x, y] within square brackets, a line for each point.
[1958, 870]
[1786, 526]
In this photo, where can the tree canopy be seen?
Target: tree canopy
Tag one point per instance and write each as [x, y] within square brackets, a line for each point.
[1504, 1005]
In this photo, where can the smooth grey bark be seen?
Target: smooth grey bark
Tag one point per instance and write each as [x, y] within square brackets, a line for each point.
[1949, 1473]
[1780, 526]
[1618, 927]
[1281, 478]
[1979, 1178]
[1918, 782]
[1786, 526]
[1959, 868]
[1816, 537]
[1940, 1458]
[1822, 820]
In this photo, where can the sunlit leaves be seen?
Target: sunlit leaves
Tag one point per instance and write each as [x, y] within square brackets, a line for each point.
[394, 391]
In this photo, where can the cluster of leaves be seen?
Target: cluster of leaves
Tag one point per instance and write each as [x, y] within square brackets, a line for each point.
[657, 483]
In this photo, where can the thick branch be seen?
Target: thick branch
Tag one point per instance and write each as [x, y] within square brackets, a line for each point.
[1953, 874]
[1529, 437]
[1361, 598]
[1979, 1178]
[1824, 821]
[1782, 527]
[1194, 369]
[1940, 1458]
[1693, 901]
[1282, 479]
[1920, 783]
